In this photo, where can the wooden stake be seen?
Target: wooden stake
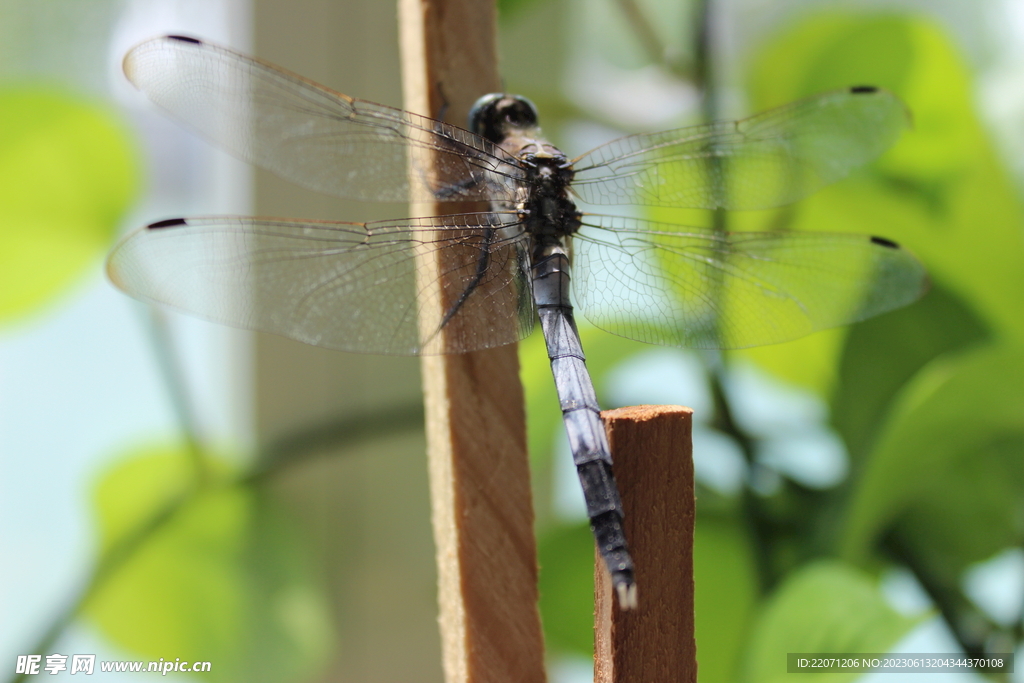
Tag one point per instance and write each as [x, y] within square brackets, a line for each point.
[475, 419]
[653, 458]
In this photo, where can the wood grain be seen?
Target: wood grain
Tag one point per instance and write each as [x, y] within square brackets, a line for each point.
[653, 454]
[475, 418]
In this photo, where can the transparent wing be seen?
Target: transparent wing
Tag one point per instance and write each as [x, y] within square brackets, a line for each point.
[767, 160]
[313, 136]
[370, 287]
[695, 287]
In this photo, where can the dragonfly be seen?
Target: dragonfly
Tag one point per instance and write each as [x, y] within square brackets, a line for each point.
[475, 280]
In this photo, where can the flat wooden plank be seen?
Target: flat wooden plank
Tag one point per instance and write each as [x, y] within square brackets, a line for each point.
[475, 416]
[653, 455]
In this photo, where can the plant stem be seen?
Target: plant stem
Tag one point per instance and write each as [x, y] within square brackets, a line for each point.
[703, 56]
[755, 520]
[173, 379]
[657, 51]
[332, 435]
[758, 528]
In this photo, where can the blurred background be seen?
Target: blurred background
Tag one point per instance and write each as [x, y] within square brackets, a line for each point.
[177, 489]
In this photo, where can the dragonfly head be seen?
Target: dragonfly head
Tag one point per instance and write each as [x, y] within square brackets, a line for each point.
[496, 116]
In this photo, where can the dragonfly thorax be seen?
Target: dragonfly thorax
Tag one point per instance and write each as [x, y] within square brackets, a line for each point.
[545, 207]
[549, 219]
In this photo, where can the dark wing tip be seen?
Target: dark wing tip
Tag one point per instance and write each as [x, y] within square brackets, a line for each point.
[186, 39]
[169, 223]
[882, 242]
[863, 89]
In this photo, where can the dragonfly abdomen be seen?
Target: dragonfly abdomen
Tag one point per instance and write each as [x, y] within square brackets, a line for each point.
[582, 416]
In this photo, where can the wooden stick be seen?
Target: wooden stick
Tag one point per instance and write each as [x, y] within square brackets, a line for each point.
[653, 458]
[475, 418]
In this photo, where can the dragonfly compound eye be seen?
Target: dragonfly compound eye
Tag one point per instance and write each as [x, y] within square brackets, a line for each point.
[518, 112]
[493, 116]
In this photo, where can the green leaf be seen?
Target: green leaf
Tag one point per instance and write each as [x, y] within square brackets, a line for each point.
[510, 9]
[834, 50]
[725, 583]
[288, 632]
[566, 557]
[945, 481]
[212, 577]
[67, 175]
[138, 489]
[882, 354]
[940, 191]
[179, 594]
[826, 607]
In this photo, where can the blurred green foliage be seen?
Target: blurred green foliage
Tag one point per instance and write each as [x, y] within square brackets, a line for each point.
[567, 587]
[725, 597]
[949, 452]
[68, 173]
[824, 606]
[206, 570]
[941, 191]
[929, 400]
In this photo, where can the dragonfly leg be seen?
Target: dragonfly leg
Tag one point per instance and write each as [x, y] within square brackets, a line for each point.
[483, 261]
